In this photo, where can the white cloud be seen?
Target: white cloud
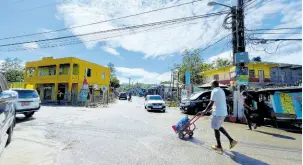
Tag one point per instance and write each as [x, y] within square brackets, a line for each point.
[170, 40]
[224, 55]
[47, 33]
[32, 45]
[140, 75]
[152, 43]
[111, 50]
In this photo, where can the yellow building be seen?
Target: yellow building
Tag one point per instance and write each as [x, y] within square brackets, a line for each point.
[258, 72]
[65, 74]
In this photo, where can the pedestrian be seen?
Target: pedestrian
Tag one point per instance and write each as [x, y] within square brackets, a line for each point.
[219, 112]
[59, 96]
[249, 110]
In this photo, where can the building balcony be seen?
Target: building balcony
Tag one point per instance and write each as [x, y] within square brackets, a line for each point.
[41, 79]
[63, 78]
[75, 78]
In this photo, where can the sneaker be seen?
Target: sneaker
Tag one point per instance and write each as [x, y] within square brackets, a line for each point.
[233, 144]
[219, 150]
[255, 126]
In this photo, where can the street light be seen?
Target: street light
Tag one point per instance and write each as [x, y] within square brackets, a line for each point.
[216, 3]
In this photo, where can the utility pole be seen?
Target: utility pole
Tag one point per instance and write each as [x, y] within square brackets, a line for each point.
[129, 82]
[178, 90]
[172, 93]
[240, 28]
[170, 86]
[234, 31]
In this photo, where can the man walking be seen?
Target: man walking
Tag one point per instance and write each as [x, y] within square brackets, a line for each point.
[219, 112]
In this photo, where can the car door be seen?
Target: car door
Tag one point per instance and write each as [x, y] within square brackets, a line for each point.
[205, 98]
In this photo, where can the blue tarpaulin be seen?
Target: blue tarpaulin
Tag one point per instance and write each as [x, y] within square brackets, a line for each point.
[182, 122]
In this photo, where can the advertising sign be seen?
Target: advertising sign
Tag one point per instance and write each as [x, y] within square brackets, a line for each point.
[288, 103]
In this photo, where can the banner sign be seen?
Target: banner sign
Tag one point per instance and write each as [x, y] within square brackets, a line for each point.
[288, 103]
[187, 77]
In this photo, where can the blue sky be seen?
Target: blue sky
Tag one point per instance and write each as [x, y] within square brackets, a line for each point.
[148, 56]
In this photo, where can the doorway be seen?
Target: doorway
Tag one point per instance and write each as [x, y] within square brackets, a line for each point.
[261, 76]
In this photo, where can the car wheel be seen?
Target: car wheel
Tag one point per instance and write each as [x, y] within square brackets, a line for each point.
[10, 134]
[30, 114]
[163, 111]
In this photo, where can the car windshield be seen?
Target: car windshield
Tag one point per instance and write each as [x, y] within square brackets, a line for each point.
[27, 94]
[155, 98]
[195, 96]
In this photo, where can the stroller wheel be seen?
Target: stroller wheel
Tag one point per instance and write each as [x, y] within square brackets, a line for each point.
[191, 134]
[181, 135]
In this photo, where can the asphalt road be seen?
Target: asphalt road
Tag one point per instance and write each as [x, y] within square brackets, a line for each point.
[124, 133]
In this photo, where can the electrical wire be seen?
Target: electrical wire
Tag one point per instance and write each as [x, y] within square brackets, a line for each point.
[275, 33]
[94, 23]
[58, 44]
[184, 19]
[289, 28]
[210, 45]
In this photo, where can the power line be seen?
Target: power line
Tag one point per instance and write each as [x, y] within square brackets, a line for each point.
[184, 19]
[215, 42]
[94, 23]
[278, 39]
[58, 44]
[275, 33]
[274, 29]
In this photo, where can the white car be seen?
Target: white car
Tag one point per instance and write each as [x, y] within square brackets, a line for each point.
[154, 103]
[28, 102]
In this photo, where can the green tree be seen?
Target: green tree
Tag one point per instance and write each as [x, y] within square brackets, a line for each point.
[257, 59]
[112, 69]
[192, 62]
[114, 81]
[221, 63]
[12, 69]
[165, 82]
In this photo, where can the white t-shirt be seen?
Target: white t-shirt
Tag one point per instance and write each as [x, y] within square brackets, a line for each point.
[219, 98]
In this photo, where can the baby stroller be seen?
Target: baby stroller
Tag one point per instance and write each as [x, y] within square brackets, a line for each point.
[186, 126]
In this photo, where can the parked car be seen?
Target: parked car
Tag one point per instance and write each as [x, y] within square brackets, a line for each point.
[198, 101]
[28, 102]
[154, 103]
[7, 113]
[123, 96]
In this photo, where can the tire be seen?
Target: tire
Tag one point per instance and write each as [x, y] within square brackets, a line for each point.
[28, 115]
[10, 132]
[181, 135]
[191, 134]
[163, 111]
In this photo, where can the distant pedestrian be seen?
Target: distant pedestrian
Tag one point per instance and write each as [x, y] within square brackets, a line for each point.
[249, 111]
[59, 96]
[219, 112]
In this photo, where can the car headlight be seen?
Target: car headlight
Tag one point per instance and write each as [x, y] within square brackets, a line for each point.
[187, 103]
[149, 104]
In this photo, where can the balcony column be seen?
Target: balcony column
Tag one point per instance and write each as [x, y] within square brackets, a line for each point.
[57, 69]
[55, 91]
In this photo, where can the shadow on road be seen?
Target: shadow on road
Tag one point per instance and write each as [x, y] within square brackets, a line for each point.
[244, 159]
[277, 135]
[24, 119]
[195, 141]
